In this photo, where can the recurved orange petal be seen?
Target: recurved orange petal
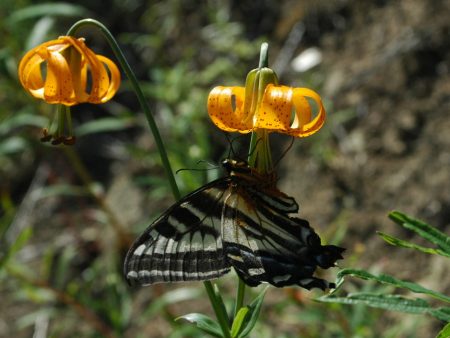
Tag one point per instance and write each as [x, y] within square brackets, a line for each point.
[286, 110]
[113, 80]
[58, 86]
[305, 125]
[225, 108]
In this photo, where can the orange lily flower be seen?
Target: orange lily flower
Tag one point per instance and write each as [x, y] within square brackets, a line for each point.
[66, 80]
[282, 109]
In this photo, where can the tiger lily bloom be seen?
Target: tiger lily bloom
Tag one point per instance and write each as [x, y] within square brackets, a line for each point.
[68, 61]
[271, 107]
[74, 74]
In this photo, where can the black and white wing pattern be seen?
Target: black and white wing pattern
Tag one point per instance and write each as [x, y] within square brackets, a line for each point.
[264, 244]
[184, 243]
[240, 221]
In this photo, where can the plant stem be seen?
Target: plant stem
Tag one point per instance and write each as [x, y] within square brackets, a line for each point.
[239, 297]
[214, 298]
[221, 316]
[140, 95]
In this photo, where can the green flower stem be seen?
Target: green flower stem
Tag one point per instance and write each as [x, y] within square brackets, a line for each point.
[215, 298]
[137, 89]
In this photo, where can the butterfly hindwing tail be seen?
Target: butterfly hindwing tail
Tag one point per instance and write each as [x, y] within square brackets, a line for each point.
[264, 244]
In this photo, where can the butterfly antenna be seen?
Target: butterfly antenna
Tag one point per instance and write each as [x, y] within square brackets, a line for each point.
[212, 166]
[284, 152]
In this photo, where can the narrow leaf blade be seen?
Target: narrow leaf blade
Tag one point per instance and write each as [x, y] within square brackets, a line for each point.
[424, 230]
[390, 280]
[252, 317]
[442, 313]
[380, 301]
[204, 323]
[104, 125]
[56, 9]
[405, 244]
[238, 321]
[20, 242]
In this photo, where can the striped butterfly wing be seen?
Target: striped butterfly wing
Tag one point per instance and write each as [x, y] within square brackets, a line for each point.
[183, 244]
[239, 221]
[264, 244]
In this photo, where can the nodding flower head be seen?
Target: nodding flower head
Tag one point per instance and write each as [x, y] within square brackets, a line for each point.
[263, 104]
[65, 78]
[66, 72]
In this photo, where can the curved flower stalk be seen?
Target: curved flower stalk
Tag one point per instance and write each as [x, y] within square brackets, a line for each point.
[73, 74]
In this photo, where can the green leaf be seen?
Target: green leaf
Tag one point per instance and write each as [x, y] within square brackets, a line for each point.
[387, 279]
[380, 301]
[103, 125]
[238, 321]
[40, 31]
[19, 243]
[252, 316]
[52, 9]
[445, 332]
[442, 313]
[22, 120]
[204, 323]
[424, 230]
[405, 244]
[12, 145]
[391, 303]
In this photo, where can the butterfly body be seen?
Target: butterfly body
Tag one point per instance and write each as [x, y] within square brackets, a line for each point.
[241, 221]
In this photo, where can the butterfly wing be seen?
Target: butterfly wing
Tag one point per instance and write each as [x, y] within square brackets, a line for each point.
[183, 244]
[264, 244]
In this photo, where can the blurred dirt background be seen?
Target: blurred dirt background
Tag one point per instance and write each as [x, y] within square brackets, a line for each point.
[384, 77]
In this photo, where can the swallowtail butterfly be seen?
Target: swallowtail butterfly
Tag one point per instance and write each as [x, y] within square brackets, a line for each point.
[241, 221]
